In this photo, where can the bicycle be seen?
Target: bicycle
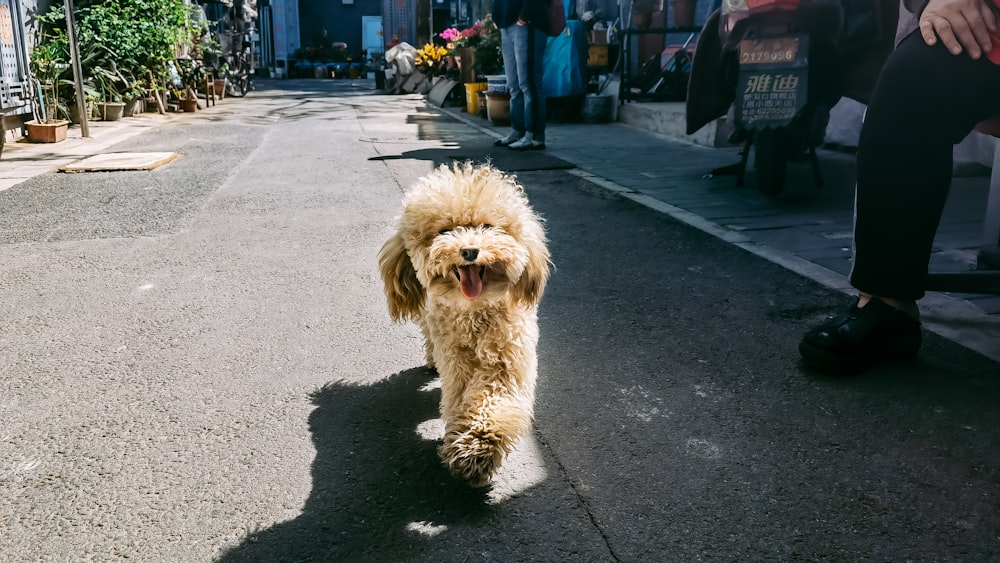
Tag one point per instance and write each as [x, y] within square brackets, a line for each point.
[239, 71]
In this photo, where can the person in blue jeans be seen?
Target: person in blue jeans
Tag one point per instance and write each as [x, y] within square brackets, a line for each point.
[523, 40]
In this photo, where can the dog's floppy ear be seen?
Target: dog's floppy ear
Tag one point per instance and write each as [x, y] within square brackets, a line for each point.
[402, 288]
[530, 286]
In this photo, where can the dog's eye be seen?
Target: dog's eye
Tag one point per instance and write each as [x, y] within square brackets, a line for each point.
[487, 226]
[444, 231]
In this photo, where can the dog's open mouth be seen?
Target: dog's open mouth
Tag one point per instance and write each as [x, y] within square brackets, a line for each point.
[470, 278]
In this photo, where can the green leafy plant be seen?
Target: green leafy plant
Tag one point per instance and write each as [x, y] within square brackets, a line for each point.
[48, 63]
[212, 52]
[192, 75]
[135, 88]
[120, 39]
[489, 56]
[111, 83]
[468, 37]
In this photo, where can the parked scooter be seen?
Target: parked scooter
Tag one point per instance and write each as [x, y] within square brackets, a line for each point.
[780, 57]
[781, 65]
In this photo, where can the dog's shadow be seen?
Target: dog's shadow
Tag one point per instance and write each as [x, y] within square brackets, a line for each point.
[379, 489]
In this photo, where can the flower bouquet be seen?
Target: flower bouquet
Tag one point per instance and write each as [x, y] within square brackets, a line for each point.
[430, 60]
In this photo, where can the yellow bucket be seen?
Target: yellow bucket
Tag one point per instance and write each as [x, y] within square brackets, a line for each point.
[472, 90]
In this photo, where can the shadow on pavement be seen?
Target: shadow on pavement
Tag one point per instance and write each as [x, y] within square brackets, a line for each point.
[379, 490]
[504, 159]
[721, 444]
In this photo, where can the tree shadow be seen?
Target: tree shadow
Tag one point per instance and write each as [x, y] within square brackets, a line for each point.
[482, 151]
[438, 156]
[379, 489]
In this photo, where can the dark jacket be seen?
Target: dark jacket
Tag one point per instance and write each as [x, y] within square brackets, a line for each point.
[710, 94]
[507, 12]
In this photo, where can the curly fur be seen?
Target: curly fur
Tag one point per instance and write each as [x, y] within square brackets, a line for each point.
[469, 264]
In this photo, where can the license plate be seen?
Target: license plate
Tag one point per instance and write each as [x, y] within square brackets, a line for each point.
[769, 51]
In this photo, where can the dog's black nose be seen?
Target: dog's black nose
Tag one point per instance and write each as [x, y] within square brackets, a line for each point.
[470, 254]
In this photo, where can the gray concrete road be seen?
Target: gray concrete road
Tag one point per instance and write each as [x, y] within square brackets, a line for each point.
[196, 365]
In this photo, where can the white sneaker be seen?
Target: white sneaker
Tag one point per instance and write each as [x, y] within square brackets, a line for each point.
[507, 141]
[526, 144]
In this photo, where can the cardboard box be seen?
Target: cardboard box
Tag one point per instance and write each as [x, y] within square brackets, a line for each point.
[597, 55]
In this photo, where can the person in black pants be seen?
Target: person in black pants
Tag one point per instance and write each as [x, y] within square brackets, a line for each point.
[933, 90]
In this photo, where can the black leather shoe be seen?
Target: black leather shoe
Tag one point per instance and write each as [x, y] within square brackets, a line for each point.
[862, 338]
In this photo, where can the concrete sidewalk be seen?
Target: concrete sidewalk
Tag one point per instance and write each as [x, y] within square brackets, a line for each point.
[807, 229]
[22, 160]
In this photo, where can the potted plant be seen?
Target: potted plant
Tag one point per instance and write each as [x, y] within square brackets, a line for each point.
[488, 53]
[133, 95]
[430, 61]
[192, 74]
[450, 36]
[464, 46]
[138, 38]
[220, 80]
[489, 65]
[498, 107]
[110, 83]
[47, 63]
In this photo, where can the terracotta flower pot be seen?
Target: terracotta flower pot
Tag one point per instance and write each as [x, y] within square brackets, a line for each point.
[47, 132]
[498, 108]
[189, 105]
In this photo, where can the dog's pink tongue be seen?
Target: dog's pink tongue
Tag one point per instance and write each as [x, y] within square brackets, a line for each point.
[472, 284]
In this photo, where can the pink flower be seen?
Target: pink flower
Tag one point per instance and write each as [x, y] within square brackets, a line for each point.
[471, 31]
[449, 34]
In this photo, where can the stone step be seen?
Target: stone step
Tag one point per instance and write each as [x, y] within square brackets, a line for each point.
[669, 119]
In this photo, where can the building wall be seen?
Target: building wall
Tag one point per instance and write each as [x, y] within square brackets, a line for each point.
[31, 9]
[339, 21]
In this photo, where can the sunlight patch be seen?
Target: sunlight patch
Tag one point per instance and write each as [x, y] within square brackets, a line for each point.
[432, 385]
[425, 528]
[524, 468]
[432, 429]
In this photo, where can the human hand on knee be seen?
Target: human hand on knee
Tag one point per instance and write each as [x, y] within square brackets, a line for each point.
[961, 25]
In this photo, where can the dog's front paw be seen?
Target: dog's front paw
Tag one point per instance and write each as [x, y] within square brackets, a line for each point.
[472, 456]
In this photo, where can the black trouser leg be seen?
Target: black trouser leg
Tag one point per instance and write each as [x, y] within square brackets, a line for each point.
[926, 100]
